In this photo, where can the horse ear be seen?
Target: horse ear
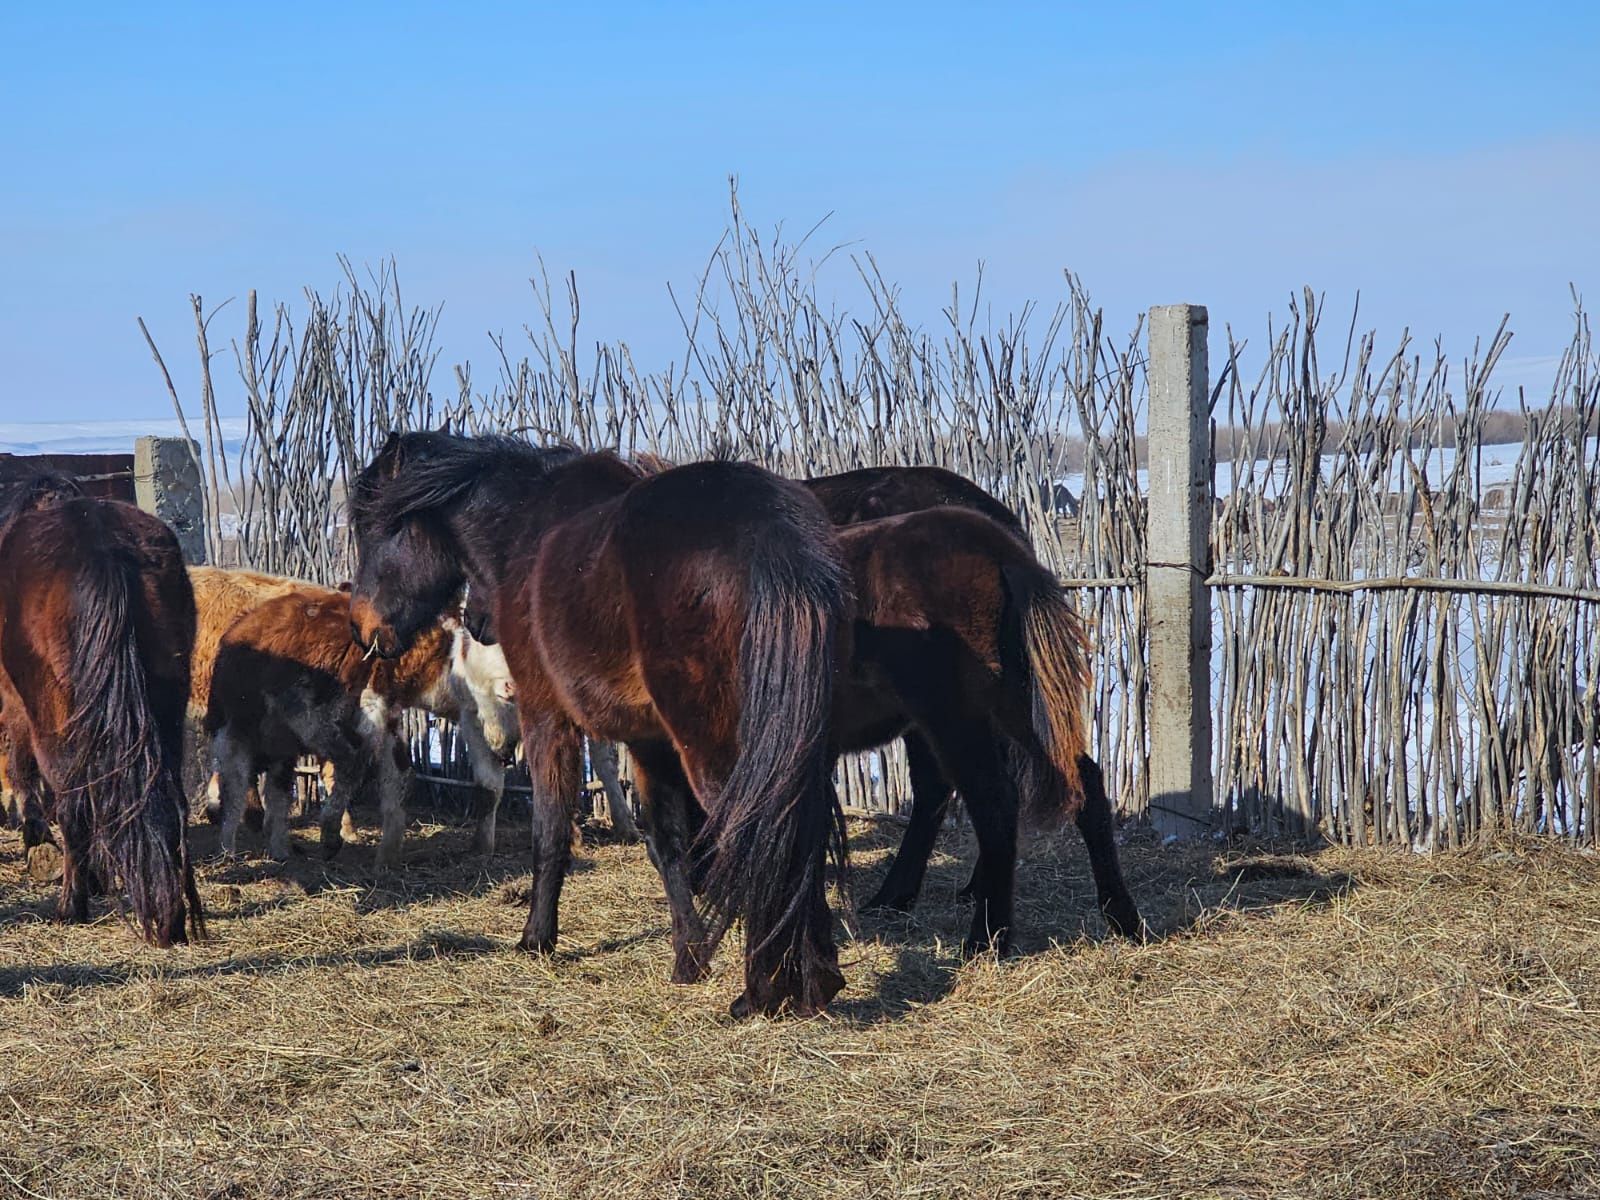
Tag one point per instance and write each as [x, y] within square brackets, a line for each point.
[392, 455]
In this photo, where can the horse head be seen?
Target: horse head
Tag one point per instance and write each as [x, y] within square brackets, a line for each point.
[408, 567]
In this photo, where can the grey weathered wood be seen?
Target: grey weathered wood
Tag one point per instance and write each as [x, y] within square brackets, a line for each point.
[1178, 525]
[167, 484]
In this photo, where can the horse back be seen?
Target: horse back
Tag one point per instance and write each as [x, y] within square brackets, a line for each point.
[221, 597]
[871, 493]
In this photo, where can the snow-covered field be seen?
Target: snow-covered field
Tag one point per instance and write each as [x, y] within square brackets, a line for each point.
[106, 437]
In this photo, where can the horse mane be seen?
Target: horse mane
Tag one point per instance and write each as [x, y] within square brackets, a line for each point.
[649, 464]
[438, 468]
[38, 487]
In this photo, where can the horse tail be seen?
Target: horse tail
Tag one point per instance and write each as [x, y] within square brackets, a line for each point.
[121, 779]
[1046, 637]
[777, 821]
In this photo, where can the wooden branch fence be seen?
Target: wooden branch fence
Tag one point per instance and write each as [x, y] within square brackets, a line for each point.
[1403, 635]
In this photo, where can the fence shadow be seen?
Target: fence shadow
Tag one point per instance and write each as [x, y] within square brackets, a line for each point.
[76, 976]
[438, 867]
[1179, 888]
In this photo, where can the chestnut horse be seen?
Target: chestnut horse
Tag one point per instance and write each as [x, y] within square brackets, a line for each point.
[96, 625]
[288, 681]
[698, 615]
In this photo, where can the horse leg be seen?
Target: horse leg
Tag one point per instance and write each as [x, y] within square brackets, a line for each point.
[490, 775]
[992, 804]
[974, 756]
[1095, 823]
[350, 758]
[604, 757]
[28, 790]
[930, 802]
[551, 746]
[235, 771]
[392, 760]
[668, 806]
[276, 796]
[77, 877]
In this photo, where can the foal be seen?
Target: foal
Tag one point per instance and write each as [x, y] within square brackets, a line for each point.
[288, 681]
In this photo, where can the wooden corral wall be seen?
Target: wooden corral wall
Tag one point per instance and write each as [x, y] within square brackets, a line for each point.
[109, 476]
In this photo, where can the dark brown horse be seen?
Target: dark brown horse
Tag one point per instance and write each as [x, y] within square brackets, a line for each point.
[910, 558]
[96, 624]
[868, 493]
[697, 615]
[871, 493]
[965, 648]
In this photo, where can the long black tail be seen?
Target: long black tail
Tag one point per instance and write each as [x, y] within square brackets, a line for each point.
[120, 780]
[777, 819]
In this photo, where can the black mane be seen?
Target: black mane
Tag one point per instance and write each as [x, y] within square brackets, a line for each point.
[438, 468]
[34, 489]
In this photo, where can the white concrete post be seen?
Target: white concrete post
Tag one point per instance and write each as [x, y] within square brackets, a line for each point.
[167, 484]
[1177, 601]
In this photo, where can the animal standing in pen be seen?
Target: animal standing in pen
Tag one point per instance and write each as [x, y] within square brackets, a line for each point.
[96, 625]
[288, 681]
[965, 649]
[699, 616]
[221, 597]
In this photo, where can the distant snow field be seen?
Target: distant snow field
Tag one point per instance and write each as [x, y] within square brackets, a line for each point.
[106, 437]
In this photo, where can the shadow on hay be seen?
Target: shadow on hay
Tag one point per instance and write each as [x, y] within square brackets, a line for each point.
[440, 867]
[1180, 889]
[76, 976]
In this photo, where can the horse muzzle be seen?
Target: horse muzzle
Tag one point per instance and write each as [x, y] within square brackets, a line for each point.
[372, 634]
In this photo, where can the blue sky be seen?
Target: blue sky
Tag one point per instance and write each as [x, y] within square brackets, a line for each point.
[1444, 159]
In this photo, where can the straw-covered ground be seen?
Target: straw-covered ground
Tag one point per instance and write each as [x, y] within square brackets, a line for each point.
[1331, 1024]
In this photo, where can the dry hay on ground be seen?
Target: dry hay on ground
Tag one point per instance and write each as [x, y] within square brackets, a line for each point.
[1337, 1024]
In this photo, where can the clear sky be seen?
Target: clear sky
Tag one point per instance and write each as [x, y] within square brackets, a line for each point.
[1443, 158]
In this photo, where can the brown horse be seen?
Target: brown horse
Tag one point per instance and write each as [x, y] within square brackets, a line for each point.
[698, 615]
[965, 648]
[964, 645]
[868, 493]
[221, 597]
[96, 624]
[288, 681]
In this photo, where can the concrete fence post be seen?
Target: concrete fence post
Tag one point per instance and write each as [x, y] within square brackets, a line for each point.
[167, 484]
[1177, 601]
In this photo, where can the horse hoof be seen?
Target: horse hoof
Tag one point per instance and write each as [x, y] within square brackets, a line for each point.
[1125, 921]
[537, 946]
[890, 902]
[690, 968]
[44, 863]
[977, 946]
[740, 1009]
[329, 849]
